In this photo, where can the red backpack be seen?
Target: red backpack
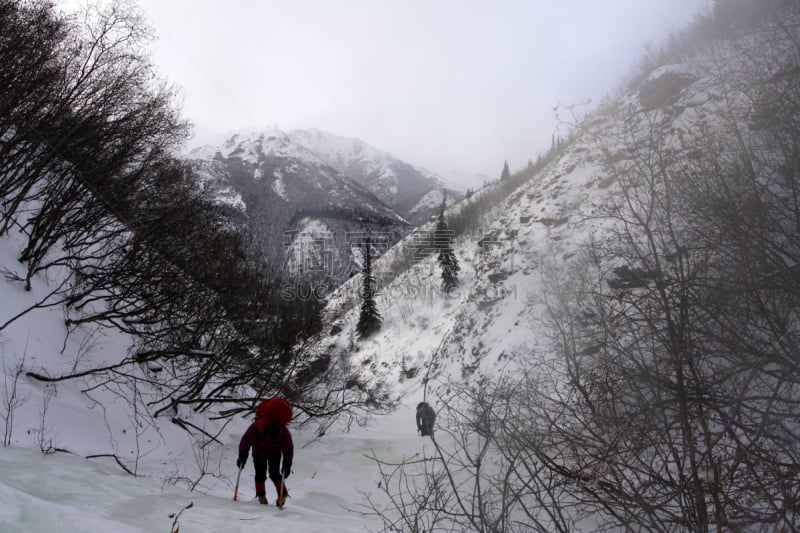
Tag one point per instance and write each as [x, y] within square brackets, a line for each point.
[277, 409]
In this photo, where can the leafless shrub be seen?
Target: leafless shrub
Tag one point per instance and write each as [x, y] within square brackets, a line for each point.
[43, 434]
[478, 474]
[12, 399]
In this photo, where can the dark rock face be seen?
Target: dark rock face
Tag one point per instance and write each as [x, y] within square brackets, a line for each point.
[663, 90]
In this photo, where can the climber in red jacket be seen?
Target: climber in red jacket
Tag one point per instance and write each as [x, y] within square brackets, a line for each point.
[271, 441]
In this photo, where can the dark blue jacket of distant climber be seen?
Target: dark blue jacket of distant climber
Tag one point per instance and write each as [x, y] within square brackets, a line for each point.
[426, 416]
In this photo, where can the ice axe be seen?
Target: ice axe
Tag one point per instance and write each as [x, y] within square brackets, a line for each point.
[281, 497]
[236, 489]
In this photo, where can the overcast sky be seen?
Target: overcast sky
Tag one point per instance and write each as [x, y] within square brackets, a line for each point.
[457, 86]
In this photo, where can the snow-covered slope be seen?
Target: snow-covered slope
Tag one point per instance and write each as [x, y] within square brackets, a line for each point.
[510, 259]
[68, 494]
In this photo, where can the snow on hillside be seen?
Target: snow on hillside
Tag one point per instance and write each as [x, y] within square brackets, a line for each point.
[488, 318]
[340, 152]
[508, 262]
[212, 181]
[360, 160]
[430, 202]
[279, 185]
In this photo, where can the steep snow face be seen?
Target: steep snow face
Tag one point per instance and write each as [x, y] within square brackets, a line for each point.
[490, 318]
[510, 262]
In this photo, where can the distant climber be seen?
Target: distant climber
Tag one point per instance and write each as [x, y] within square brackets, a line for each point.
[426, 416]
[271, 441]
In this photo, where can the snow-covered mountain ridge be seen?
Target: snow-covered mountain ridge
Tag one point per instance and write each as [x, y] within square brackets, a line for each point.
[401, 186]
